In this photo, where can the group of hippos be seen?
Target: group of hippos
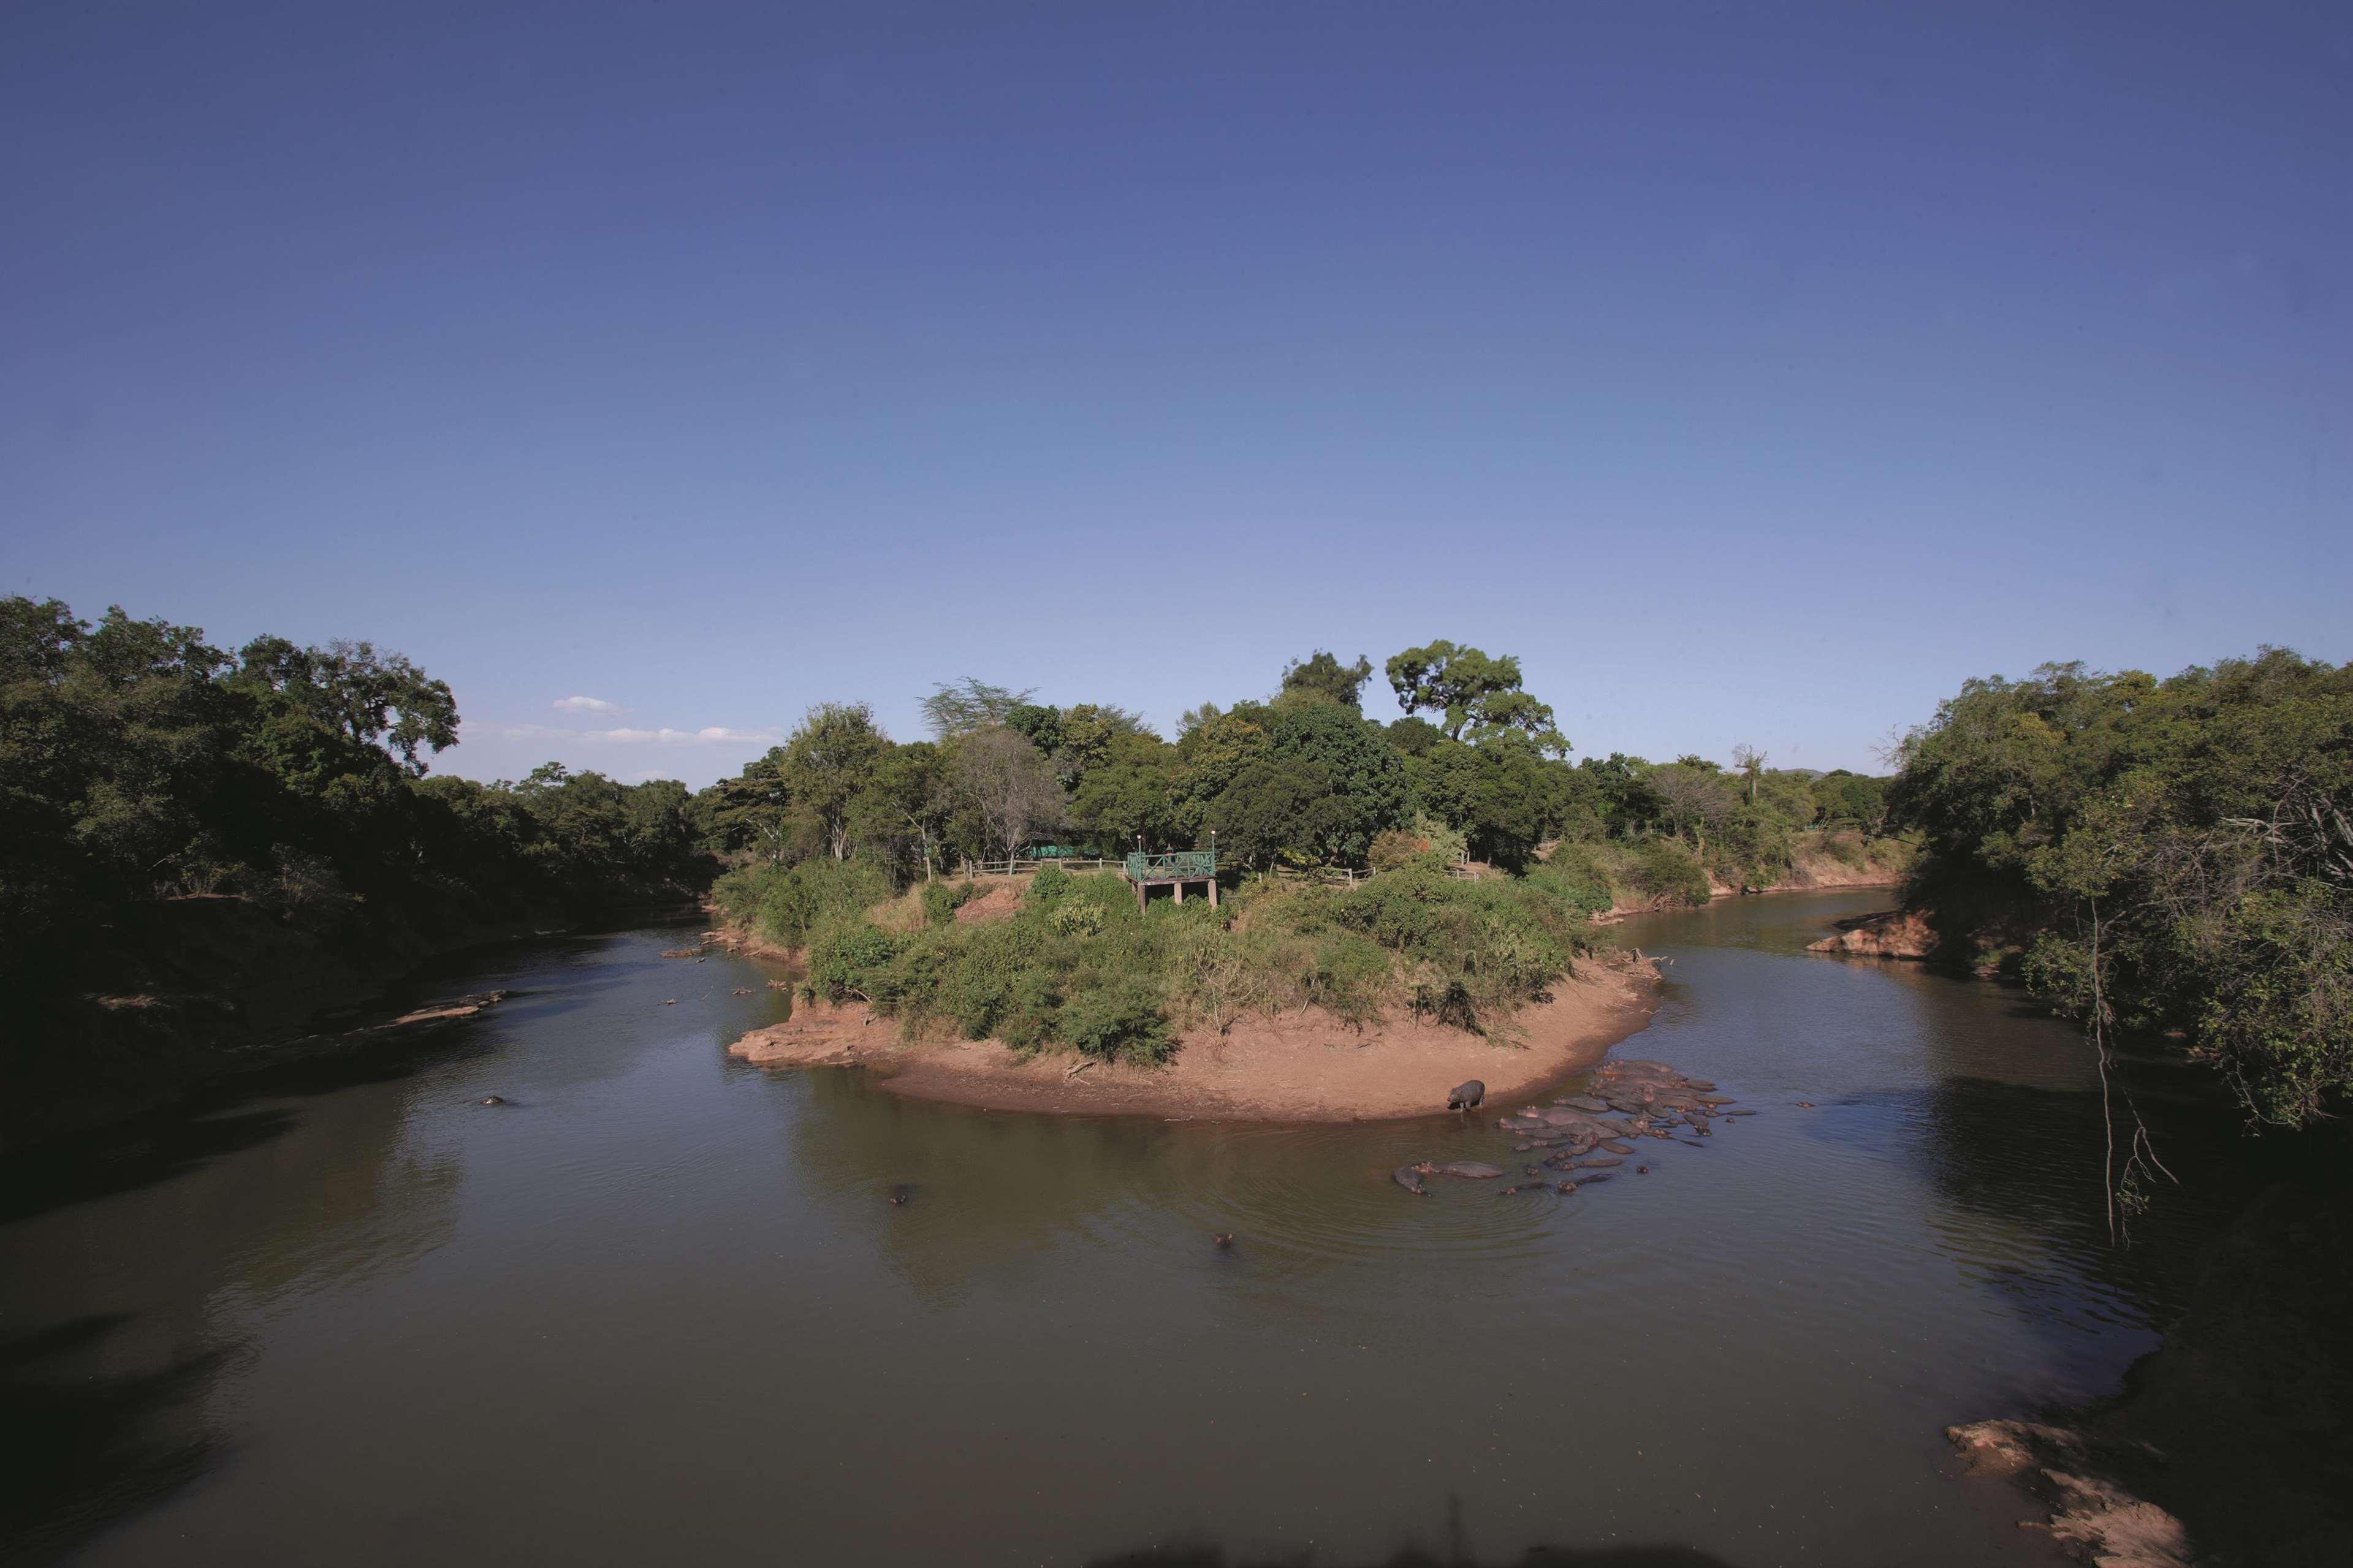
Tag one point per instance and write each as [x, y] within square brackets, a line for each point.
[1650, 1100]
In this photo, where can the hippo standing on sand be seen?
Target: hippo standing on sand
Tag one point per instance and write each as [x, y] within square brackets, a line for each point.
[1466, 1096]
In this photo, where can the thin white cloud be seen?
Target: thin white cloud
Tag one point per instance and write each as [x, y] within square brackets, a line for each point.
[586, 705]
[713, 734]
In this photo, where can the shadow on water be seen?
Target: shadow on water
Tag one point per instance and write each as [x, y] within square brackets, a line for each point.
[226, 1119]
[232, 1115]
[1456, 1553]
[1212, 1556]
[80, 1446]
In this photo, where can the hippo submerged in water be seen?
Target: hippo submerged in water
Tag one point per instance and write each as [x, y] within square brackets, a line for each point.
[1409, 1178]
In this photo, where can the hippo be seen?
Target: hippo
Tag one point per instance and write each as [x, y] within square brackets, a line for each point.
[492, 1099]
[1222, 1239]
[1599, 1163]
[1409, 1178]
[900, 1195]
[1585, 1102]
[1642, 1170]
[1614, 1147]
[1565, 1188]
[1471, 1170]
[1466, 1096]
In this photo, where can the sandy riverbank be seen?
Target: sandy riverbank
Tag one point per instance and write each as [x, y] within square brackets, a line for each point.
[1297, 1067]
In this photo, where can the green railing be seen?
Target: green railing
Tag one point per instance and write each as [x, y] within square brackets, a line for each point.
[1184, 863]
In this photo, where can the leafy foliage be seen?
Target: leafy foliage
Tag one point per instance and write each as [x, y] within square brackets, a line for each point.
[2178, 852]
[1475, 692]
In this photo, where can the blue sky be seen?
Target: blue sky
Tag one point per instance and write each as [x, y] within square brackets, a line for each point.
[1754, 373]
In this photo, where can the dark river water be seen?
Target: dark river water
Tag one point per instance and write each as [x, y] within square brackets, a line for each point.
[659, 1308]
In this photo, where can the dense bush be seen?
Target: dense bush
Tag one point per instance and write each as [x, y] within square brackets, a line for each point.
[2172, 855]
[784, 905]
[139, 764]
[1077, 966]
[1663, 870]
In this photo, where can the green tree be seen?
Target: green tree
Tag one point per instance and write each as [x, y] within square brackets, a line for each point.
[829, 763]
[960, 707]
[370, 698]
[1478, 695]
[912, 800]
[2171, 855]
[752, 812]
[1321, 678]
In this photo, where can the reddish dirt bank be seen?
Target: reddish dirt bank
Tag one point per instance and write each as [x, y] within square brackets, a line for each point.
[1298, 1066]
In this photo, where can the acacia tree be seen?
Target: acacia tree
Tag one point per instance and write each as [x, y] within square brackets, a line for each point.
[1477, 694]
[1010, 783]
[960, 707]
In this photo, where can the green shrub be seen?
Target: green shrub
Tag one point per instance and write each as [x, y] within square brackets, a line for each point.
[1663, 868]
[943, 899]
[1050, 884]
[1075, 919]
[786, 905]
[1122, 1022]
[1395, 848]
[1575, 877]
[849, 958]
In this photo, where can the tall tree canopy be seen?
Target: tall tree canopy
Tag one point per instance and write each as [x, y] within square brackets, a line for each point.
[2178, 853]
[1477, 694]
[959, 707]
[1321, 678]
[830, 762]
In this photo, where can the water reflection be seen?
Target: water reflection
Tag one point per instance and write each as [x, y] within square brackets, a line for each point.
[664, 1297]
[79, 1445]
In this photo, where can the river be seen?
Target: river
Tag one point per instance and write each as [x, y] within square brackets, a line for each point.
[659, 1308]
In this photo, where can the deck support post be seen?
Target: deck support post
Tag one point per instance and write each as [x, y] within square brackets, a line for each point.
[1213, 892]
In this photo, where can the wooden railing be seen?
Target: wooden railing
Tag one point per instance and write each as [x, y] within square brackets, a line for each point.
[1022, 863]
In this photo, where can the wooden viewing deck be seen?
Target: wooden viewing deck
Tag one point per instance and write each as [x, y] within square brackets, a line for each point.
[1175, 869]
